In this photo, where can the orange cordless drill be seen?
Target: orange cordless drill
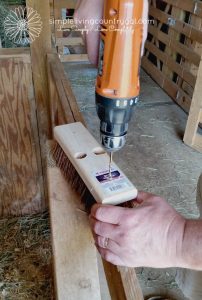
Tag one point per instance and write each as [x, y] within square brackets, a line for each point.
[117, 86]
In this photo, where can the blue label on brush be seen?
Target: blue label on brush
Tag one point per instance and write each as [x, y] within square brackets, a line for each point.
[107, 178]
[117, 182]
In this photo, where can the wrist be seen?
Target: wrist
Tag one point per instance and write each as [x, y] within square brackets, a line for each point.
[176, 238]
[191, 245]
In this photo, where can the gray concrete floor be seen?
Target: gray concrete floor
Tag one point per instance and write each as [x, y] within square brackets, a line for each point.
[155, 158]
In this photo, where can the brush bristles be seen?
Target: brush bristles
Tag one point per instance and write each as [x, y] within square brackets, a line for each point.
[73, 177]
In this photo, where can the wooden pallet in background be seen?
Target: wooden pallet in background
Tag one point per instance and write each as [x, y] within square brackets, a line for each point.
[173, 49]
[66, 37]
[173, 52]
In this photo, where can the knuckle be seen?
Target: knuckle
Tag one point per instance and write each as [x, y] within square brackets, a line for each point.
[123, 238]
[107, 256]
[98, 212]
[100, 242]
[96, 227]
[157, 198]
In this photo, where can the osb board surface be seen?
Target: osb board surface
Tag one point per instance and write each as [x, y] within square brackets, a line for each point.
[20, 174]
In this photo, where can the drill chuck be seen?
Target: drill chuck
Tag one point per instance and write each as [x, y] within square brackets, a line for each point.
[117, 84]
[114, 115]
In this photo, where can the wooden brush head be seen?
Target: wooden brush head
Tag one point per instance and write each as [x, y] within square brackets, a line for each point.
[91, 162]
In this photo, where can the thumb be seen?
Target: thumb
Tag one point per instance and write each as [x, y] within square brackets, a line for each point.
[143, 197]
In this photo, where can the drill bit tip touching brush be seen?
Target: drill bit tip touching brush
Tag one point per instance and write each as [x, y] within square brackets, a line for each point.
[85, 164]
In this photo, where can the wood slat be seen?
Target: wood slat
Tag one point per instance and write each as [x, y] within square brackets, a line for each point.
[130, 283]
[191, 137]
[53, 100]
[70, 41]
[172, 89]
[71, 4]
[114, 281]
[23, 53]
[200, 116]
[178, 47]
[197, 142]
[73, 57]
[65, 106]
[191, 6]
[176, 14]
[172, 65]
[75, 259]
[65, 94]
[63, 24]
[187, 89]
[179, 26]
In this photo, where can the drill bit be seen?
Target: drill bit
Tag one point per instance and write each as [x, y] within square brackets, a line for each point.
[110, 165]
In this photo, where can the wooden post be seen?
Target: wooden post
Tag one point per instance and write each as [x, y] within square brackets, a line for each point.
[191, 137]
[39, 49]
[75, 259]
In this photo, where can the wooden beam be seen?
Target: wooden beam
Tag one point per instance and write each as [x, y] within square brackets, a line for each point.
[198, 142]
[65, 95]
[74, 57]
[53, 95]
[75, 259]
[39, 49]
[123, 283]
[200, 116]
[191, 137]
[130, 283]
[114, 281]
[65, 105]
[65, 4]
[16, 52]
[69, 41]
